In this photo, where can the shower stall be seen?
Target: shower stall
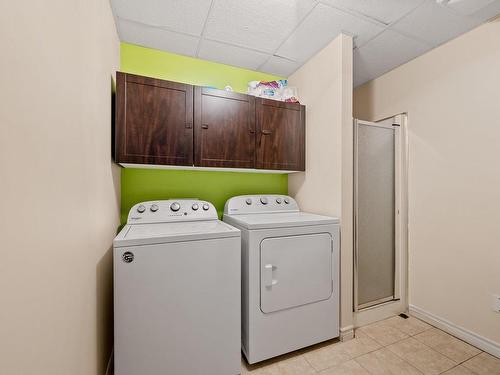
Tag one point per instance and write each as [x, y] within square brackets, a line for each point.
[380, 219]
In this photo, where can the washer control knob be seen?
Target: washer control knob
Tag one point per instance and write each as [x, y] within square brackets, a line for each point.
[195, 206]
[287, 200]
[278, 200]
[154, 208]
[141, 209]
[248, 201]
[205, 206]
[175, 206]
[263, 200]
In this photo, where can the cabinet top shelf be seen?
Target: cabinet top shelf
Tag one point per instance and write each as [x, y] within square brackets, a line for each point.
[130, 77]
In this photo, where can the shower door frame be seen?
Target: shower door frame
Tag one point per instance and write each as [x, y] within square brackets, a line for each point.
[398, 303]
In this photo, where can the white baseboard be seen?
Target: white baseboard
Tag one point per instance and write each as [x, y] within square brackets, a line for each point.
[346, 333]
[472, 338]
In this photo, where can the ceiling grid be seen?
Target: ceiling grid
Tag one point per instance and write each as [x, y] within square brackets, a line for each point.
[278, 36]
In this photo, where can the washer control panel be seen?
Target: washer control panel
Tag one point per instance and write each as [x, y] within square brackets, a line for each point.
[171, 210]
[253, 204]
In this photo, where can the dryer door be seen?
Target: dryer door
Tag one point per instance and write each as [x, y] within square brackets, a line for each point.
[295, 270]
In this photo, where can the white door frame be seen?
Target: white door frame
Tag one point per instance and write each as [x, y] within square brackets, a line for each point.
[383, 309]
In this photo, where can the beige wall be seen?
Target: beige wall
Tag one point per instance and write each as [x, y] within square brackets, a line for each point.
[325, 87]
[452, 98]
[58, 188]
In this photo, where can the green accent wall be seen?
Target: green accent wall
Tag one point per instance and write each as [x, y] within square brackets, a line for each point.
[154, 184]
[165, 65]
[216, 187]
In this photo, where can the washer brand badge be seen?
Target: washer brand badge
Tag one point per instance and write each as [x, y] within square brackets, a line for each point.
[128, 257]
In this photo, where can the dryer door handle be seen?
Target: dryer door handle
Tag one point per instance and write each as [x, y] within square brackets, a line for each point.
[268, 276]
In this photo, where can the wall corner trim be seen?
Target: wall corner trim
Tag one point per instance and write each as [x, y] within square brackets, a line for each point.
[470, 337]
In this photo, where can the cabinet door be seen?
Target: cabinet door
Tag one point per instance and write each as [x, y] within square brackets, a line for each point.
[154, 121]
[280, 135]
[224, 134]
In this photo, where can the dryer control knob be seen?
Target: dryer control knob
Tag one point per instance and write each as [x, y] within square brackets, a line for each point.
[278, 200]
[287, 200]
[141, 209]
[248, 201]
[195, 206]
[154, 208]
[175, 206]
[205, 206]
[263, 200]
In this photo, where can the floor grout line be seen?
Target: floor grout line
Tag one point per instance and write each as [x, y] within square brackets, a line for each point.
[447, 334]
[408, 363]
[461, 363]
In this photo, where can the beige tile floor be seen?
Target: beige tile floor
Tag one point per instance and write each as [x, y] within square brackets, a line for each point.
[394, 346]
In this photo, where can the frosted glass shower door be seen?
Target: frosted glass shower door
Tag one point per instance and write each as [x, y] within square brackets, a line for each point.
[375, 180]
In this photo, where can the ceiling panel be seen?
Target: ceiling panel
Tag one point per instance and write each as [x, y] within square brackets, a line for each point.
[279, 66]
[186, 16]
[434, 23]
[467, 7]
[385, 52]
[362, 71]
[488, 12]
[226, 54]
[320, 27]
[386, 11]
[153, 37]
[278, 36]
[257, 24]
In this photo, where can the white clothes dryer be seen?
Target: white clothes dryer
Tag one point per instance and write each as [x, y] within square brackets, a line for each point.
[290, 275]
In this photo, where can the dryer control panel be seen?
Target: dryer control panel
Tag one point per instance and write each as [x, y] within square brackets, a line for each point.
[171, 210]
[255, 204]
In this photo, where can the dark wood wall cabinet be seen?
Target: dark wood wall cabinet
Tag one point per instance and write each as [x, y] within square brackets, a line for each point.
[224, 129]
[169, 123]
[154, 121]
[280, 135]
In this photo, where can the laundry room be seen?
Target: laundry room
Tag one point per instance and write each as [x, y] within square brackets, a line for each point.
[227, 187]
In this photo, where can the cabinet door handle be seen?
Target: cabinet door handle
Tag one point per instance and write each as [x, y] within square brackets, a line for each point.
[189, 125]
[204, 126]
[266, 132]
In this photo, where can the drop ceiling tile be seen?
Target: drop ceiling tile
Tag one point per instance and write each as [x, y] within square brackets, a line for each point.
[280, 66]
[467, 7]
[387, 51]
[386, 11]
[153, 37]
[434, 23]
[320, 27]
[488, 12]
[187, 16]
[231, 55]
[256, 24]
[362, 71]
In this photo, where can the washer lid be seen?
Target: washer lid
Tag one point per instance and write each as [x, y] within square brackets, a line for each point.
[155, 233]
[279, 220]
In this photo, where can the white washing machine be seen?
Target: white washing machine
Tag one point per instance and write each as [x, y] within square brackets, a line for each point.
[177, 290]
[290, 275]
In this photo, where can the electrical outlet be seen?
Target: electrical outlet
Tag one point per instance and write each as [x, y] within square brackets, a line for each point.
[496, 303]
